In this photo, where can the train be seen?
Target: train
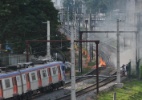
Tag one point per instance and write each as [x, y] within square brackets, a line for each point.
[23, 83]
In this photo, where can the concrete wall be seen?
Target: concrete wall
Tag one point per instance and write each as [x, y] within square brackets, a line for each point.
[13, 59]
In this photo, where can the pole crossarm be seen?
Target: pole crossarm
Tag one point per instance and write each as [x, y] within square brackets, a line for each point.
[96, 41]
[107, 32]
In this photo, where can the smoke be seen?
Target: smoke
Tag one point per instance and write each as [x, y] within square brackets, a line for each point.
[127, 14]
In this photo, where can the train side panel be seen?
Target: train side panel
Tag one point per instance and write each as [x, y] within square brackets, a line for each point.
[44, 77]
[7, 87]
[19, 84]
[33, 80]
[62, 74]
[24, 83]
[54, 74]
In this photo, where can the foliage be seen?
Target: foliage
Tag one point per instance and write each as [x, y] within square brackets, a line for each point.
[91, 63]
[21, 20]
[130, 91]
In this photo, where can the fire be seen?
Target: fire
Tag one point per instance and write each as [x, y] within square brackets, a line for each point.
[102, 63]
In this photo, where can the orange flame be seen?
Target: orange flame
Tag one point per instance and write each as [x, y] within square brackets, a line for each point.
[102, 63]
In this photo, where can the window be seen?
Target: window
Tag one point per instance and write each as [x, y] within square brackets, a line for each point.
[7, 83]
[54, 70]
[24, 77]
[18, 78]
[44, 73]
[33, 76]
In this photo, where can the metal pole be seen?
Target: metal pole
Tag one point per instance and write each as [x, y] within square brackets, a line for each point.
[68, 19]
[114, 96]
[136, 54]
[97, 70]
[80, 50]
[48, 38]
[86, 34]
[79, 45]
[73, 91]
[27, 51]
[118, 53]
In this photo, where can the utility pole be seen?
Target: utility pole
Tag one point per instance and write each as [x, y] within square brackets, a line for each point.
[80, 45]
[68, 19]
[48, 38]
[73, 90]
[118, 53]
[88, 35]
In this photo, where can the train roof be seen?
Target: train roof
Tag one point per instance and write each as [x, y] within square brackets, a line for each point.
[36, 67]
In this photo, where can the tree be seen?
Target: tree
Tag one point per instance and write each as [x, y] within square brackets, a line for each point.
[21, 20]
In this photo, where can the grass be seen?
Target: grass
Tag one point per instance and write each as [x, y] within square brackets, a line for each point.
[84, 71]
[132, 90]
[91, 63]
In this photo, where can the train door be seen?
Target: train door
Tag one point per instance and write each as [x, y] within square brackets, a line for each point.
[33, 80]
[49, 76]
[24, 83]
[44, 77]
[15, 88]
[39, 79]
[28, 82]
[1, 90]
[54, 73]
[19, 84]
[7, 87]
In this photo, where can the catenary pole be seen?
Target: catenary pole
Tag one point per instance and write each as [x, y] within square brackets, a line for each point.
[48, 38]
[73, 91]
[118, 53]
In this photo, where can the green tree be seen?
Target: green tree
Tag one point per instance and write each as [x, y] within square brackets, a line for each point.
[21, 20]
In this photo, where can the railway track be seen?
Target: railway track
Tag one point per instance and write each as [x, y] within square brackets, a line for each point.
[90, 88]
[38, 94]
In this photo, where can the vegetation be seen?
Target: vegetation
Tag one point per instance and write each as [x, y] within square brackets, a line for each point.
[130, 91]
[21, 20]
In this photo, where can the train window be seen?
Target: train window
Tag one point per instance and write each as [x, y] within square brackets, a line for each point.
[54, 70]
[7, 83]
[24, 78]
[18, 78]
[33, 76]
[44, 74]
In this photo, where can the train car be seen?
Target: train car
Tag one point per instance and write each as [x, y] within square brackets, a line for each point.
[21, 84]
